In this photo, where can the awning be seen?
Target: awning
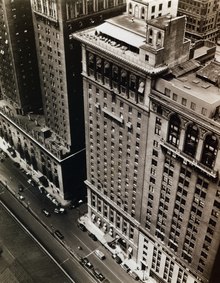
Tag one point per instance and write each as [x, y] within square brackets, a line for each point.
[121, 34]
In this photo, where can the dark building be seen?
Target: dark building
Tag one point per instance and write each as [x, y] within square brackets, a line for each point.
[52, 145]
[18, 60]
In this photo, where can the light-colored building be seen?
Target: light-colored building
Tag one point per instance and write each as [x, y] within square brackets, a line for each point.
[152, 135]
[202, 19]
[49, 142]
[150, 9]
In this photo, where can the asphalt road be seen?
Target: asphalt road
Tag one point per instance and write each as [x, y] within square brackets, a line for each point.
[59, 253]
[67, 224]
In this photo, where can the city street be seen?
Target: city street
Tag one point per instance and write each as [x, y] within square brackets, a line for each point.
[44, 227]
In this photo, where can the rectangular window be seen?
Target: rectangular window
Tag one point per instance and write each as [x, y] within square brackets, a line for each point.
[174, 96]
[152, 9]
[193, 106]
[160, 7]
[169, 4]
[167, 92]
[204, 111]
[184, 101]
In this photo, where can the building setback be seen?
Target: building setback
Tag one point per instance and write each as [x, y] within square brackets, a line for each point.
[152, 146]
[51, 145]
[202, 19]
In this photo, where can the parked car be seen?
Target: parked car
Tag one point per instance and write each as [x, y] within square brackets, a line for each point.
[31, 182]
[82, 227]
[96, 272]
[16, 164]
[59, 234]
[87, 263]
[133, 275]
[117, 258]
[45, 212]
[59, 210]
[125, 267]
[99, 254]
[92, 236]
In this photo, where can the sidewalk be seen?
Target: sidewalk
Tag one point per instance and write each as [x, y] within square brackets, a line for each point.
[105, 239]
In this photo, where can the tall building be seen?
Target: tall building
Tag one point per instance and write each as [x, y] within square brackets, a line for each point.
[18, 60]
[202, 18]
[59, 61]
[50, 145]
[152, 147]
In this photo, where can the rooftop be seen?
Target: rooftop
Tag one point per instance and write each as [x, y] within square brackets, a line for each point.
[198, 88]
[121, 37]
[127, 22]
[34, 126]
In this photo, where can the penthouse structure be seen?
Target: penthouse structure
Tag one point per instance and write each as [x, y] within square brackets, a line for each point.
[152, 148]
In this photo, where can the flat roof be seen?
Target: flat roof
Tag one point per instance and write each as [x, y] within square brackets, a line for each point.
[127, 22]
[121, 34]
[198, 88]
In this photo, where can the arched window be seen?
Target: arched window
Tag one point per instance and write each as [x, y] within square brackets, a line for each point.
[132, 82]
[159, 38]
[115, 73]
[174, 130]
[136, 11]
[91, 60]
[98, 64]
[130, 8]
[142, 13]
[106, 69]
[123, 77]
[191, 140]
[209, 150]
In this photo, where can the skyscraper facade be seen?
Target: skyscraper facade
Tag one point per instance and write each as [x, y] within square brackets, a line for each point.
[48, 140]
[202, 19]
[152, 146]
[18, 73]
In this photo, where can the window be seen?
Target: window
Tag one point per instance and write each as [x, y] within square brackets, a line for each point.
[152, 9]
[174, 96]
[184, 101]
[160, 7]
[191, 140]
[209, 150]
[204, 111]
[169, 4]
[193, 106]
[174, 130]
[167, 92]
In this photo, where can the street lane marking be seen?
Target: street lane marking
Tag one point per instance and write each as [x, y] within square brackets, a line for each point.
[64, 261]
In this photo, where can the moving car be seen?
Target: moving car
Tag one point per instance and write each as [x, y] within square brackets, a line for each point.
[45, 212]
[60, 210]
[99, 254]
[21, 197]
[59, 234]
